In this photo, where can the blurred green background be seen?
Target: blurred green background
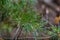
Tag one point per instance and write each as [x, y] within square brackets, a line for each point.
[22, 12]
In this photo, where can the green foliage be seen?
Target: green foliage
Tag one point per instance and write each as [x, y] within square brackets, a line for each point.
[22, 12]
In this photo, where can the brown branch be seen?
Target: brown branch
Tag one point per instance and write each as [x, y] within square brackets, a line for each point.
[52, 6]
[17, 32]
